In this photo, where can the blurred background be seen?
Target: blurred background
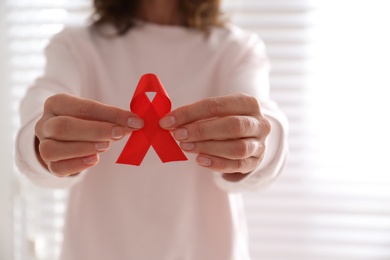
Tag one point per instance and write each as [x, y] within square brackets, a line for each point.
[331, 77]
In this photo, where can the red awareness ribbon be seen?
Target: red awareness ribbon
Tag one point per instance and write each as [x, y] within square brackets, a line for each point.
[151, 134]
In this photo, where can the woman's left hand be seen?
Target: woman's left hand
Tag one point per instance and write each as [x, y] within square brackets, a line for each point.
[228, 133]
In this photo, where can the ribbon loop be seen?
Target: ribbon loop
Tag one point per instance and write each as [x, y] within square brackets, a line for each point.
[151, 134]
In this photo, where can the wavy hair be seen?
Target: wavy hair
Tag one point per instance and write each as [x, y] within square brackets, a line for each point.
[198, 14]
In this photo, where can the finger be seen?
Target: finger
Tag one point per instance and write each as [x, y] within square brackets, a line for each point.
[226, 165]
[230, 127]
[67, 128]
[238, 104]
[230, 149]
[52, 150]
[69, 167]
[62, 104]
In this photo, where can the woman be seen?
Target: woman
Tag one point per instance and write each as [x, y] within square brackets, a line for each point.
[75, 119]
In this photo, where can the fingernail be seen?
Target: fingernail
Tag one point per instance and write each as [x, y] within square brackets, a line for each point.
[187, 146]
[101, 147]
[180, 134]
[135, 122]
[117, 132]
[203, 161]
[91, 160]
[167, 121]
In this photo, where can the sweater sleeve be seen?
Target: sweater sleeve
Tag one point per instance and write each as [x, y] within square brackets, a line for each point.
[248, 72]
[61, 75]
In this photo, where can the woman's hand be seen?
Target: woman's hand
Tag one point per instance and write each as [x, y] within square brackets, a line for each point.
[228, 133]
[72, 132]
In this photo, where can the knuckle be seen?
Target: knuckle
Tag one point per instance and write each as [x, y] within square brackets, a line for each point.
[215, 106]
[253, 102]
[53, 100]
[61, 169]
[50, 101]
[116, 116]
[250, 101]
[238, 125]
[46, 149]
[56, 127]
[231, 166]
[265, 126]
[110, 114]
[246, 165]
[262, 150]
[184, 114]
[245, 99]
[83, 108]
[56, 169]
[228, 166]
[99, 132]
[240, 164]
[243, 149]
[38, 128]
[199, 131]
[104, 131]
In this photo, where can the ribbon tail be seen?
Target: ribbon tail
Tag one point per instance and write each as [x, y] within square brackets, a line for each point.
[135, 149]
[167, 148]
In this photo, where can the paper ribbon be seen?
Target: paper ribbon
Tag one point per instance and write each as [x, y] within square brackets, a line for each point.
[151, 134]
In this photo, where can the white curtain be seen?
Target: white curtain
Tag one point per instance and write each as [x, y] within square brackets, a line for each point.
[330, 76]
[37, 213]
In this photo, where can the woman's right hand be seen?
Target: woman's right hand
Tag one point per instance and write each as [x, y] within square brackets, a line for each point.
[72, 132]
